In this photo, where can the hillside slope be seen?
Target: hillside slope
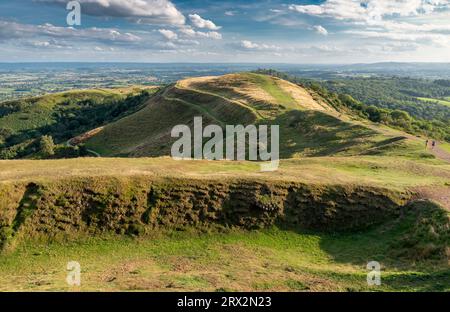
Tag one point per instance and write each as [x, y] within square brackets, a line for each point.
[308, 126]
[62, 116]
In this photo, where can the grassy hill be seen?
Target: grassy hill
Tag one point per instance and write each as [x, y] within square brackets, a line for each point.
[415, 106]
[62, 116]
[308, 125]
[369, 193]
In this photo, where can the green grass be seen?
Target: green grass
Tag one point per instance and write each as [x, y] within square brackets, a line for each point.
[38, 112]
[445, 102]
[268, 260]
[313, 133]
[268, 84]
[391, 172]
[445, 146]
[63, 116]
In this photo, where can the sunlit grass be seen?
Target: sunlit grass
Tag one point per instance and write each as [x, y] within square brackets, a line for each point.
[445, 102]
[368, 170]
[272, 259]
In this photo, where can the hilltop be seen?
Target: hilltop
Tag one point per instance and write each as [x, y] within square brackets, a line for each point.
[137, 121]
[309, 125]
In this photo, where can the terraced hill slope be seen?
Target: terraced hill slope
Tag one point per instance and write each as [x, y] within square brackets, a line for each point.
[308, 126]
[161, 224]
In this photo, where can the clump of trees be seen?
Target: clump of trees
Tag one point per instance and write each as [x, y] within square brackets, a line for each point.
[46, 146]
[73, 115]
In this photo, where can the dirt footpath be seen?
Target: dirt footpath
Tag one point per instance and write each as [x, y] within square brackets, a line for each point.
[439, 194]
[440, 153]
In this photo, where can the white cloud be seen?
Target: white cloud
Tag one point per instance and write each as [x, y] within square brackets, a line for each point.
[51, 43]
[12, 30]
[173, 39]
[211, 34]
[189, 32]
[230, 13]
[246, 44]
[437, 39]
[199, 22]
[249, 45]
[358, 10]
[168, 34]
[169, 45]
[392, 20]
[320, 30]
[143, 11]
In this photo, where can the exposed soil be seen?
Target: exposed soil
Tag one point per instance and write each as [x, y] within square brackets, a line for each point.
[440, 195]
[440, 153]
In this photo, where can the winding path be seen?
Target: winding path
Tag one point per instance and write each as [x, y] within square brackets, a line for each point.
[69, 144]
[440, 153]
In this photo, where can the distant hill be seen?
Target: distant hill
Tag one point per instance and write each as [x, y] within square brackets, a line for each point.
[309, 126]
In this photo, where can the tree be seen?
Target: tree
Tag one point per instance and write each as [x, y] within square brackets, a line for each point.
[47, 146]
[400, 115]
[4, 134]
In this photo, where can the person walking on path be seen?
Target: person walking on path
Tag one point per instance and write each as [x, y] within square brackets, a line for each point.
[433, 145]
[426, 144]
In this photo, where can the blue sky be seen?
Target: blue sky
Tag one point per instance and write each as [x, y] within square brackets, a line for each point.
[320, 31]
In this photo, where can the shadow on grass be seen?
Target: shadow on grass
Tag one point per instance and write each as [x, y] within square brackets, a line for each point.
[419, 235]
[412, 249]
[319, 134]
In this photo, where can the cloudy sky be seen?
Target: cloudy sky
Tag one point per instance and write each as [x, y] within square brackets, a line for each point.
[308, 31]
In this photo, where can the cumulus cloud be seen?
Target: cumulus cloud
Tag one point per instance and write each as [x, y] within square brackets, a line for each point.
[168, 34]
[249, 45]
[199, 22]
[13, 30]
[437, 39]
[320, 30]
[189, 32]
[174, 40]
[394, 20]
[370, 9]
[142, 11]
[50, 43]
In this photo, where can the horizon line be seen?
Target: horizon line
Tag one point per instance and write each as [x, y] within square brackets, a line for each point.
[222, 63]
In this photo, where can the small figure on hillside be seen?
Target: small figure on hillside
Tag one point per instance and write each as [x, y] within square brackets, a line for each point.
[426, 143]
[433, 145]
